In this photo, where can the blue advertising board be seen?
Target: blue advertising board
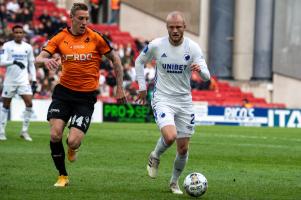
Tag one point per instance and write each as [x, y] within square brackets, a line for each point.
[240, 116]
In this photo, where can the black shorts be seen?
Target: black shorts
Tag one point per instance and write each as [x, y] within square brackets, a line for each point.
[68, 104]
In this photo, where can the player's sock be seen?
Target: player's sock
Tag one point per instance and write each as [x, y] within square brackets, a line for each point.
[160, 148]
[179, 165]
[58, 156]
[3, 119]
[27, 115]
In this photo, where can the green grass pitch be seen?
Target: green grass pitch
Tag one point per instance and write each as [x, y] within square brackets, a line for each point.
[239, 162]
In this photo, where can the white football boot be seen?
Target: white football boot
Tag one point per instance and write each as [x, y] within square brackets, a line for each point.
[2, 137]
[174, 188]
[25, 136]
[152, 167]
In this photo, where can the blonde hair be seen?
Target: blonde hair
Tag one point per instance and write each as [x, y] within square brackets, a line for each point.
[78, 6]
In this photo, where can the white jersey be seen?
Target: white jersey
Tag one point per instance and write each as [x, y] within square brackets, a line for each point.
[173, 73]
[23, 53]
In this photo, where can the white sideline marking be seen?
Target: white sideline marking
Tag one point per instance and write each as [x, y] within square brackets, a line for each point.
[254, 137]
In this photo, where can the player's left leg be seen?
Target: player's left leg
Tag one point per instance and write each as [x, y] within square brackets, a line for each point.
[27, 98]
[179, 164]
[79, 125]
[74, 141]
[184, 121]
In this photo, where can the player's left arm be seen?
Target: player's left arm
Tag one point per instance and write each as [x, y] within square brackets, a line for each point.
[31, 66]
[199, 63]
[112, 56]
[32, 71]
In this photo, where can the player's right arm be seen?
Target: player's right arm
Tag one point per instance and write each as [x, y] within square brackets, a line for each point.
[144, 57]
[45, 59]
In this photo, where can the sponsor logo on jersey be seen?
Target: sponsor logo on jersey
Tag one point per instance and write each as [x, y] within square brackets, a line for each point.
[164, 55]
[174, 68]
[79, 46]
[77, 57]
[19, 56]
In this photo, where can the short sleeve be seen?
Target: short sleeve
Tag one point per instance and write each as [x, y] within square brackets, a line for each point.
[103, 45]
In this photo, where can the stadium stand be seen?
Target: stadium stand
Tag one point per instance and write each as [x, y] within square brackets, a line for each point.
[217, 93]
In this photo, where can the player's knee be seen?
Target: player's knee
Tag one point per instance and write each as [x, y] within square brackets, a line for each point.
[169, 139]
[28, 104]
[182, 150]
[55, 136]
[73, 143]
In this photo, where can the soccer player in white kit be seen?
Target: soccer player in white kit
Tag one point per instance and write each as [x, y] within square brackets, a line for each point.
[19, 60]
[176, 57]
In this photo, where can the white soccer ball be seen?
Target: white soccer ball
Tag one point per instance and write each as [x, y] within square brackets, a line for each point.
[195, 184]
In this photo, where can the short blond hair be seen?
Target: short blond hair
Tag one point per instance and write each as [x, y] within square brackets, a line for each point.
[78, 6]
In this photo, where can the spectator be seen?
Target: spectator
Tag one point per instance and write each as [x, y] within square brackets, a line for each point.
[115, 7]
[12, 6]
[94, 10]
[246, 103]
[149, 72]
[3, 17]
[44, 17]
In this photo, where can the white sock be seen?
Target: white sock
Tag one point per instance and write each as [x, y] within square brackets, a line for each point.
[160, 148]
[27, 115]
[3, 119]
[178, 167]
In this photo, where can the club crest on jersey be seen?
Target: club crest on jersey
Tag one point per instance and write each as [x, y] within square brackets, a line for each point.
[87, 40]
[186, 57]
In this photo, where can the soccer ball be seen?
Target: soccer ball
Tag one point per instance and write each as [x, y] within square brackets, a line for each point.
[195, 184]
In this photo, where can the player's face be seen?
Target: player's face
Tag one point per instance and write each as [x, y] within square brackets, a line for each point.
[80, 21]
[18, 35]
[176, 28]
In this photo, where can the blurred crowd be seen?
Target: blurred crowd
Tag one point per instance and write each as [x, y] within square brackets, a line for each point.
[40, 29]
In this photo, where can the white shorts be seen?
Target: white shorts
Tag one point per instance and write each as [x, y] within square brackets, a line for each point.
[181, 116]
[9, 91]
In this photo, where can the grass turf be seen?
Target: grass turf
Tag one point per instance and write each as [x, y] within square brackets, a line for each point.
[238, 162]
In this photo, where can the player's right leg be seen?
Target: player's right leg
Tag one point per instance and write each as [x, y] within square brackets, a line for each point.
[58, 115]
[57, 151]
[164, 116]
[79, 125]
[3, 121]
[7, 93]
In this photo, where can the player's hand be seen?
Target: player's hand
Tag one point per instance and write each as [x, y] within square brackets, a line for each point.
[52, 63]
[20, 64]
[34, 87]
[120, 96]
[195, 67]
[141, 98]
